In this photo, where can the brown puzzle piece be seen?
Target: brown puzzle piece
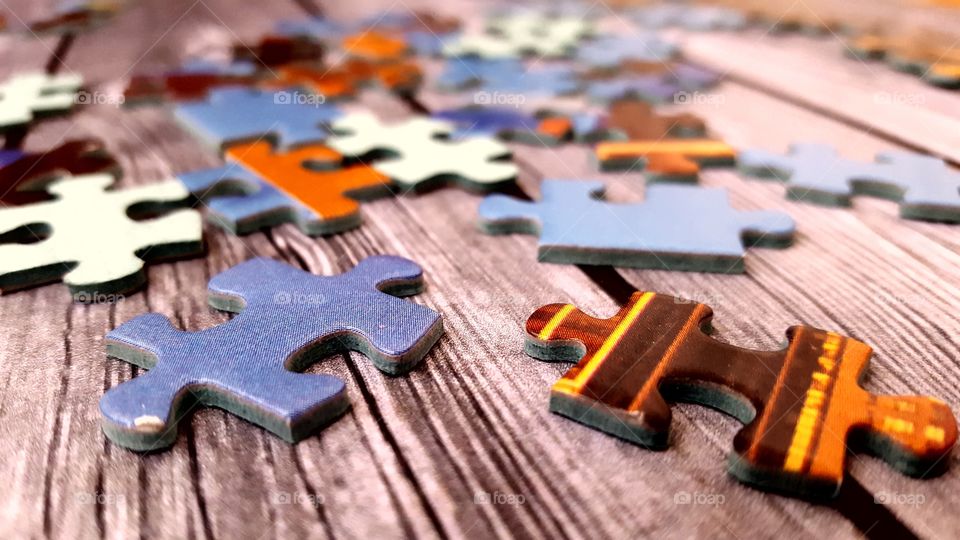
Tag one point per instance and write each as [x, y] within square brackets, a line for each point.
[801, 406]
[23, 181]
[670, 147]
[274, 51]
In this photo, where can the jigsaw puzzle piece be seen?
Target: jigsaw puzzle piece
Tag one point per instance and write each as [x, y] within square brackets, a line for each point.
[611, 51]
[461, 73]
[375, 46]
[25, 176]
[508, 124]
[231, 115]
[287, 320]
[925, 186]
[193, 80]
[27, 95]
[420, 154]
[544, 82]
[527, 33]
[577, 227]
[317, 28]
[272, 51]
[98, 253]
[347, 78]
[655, 350]
[265, 188]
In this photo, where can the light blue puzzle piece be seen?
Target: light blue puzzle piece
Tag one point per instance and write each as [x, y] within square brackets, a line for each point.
[612, 51]
[236, 114]
[317, 28]
[287, 320]
[671, 85]
[464, 72]
[925, 186]
[548, 81]
[676, 228]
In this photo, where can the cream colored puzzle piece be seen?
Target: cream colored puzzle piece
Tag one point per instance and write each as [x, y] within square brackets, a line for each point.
[88, 228]
[25, 95]
[512, 35]
[422, 155]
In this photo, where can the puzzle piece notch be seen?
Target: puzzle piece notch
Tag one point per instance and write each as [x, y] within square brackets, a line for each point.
[24, 177]
[232, 115]
[93, 244]
[577, 227]
[420, 154]
[26, 96]
[261, 187]
[800, 405]
[925, 187]
[287, 320]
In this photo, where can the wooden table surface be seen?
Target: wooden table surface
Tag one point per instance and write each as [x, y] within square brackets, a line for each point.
[464, 446]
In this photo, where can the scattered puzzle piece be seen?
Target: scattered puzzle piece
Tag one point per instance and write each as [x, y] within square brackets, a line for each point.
[544, 82]
[26, 95]
[346, 79]
[93, 245]
[193, 81]
[272, 51]
[375, 46]
[609, 52]
[690, 17]
[508, 124]
[317, 28]
[935, 60]
[673, 83]
[263, 188]
[419, 156]
[25, 176]
[657, 145]
[461, 73]
[231, 115]
[676, 228]
[925, 187]
[516, 34]
[287, 320]
[800, 405]
[424, 32]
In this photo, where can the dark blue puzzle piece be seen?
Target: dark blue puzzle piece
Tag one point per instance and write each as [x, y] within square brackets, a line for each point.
[488, 121]
[287, 320]
[236, 114]
[676, 227]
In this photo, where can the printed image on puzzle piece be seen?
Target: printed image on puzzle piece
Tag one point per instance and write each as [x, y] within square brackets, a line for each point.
[263, 187]
[666, 148]
[287, 320]
[417, 153]
[192, 81]
[543, 128]
[85, 237]
[232, 115]
[24, 176]
[926, 187]
[26, 96]
[801, 407]
[676, 227]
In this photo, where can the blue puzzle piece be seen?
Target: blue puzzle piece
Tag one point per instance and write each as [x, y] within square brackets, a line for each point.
[317, 28]
[202, 66]
[427, 43]
[9, 156]
[656, 88]
[489, 121]
[676, 228]
[464, 72]
[235, 114]
[287, 320]
[925, 186]
[612, 51]
[543, 82]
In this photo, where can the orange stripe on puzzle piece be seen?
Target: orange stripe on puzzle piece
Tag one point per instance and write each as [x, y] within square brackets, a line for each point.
[669, 156]
[323, 191]
[556, 127]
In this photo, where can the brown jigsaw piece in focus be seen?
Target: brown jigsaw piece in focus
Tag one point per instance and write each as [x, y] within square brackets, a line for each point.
[801, 406]
[24, 178]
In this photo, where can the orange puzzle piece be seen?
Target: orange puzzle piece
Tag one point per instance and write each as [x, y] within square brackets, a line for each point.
[346, 79]
[375, 46]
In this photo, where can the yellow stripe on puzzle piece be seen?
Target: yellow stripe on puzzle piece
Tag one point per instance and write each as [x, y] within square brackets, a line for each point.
[554, 322]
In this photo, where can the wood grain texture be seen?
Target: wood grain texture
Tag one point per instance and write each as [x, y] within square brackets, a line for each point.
[418, 454]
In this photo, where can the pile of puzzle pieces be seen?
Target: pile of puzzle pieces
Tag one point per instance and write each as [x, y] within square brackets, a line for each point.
[299, 148]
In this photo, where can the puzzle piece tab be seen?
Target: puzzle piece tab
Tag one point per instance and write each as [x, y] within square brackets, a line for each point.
[93, 245]
[231, 115]
[27, 95]
[926, 187]
[25, 176]
[262, 187]
[676, 228]
[800, 405]
[418, 154]
[287, 320]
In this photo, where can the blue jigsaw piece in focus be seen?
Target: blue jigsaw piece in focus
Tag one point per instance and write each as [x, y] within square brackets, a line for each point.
[234, 114]
[676, 228]
[287, 320]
